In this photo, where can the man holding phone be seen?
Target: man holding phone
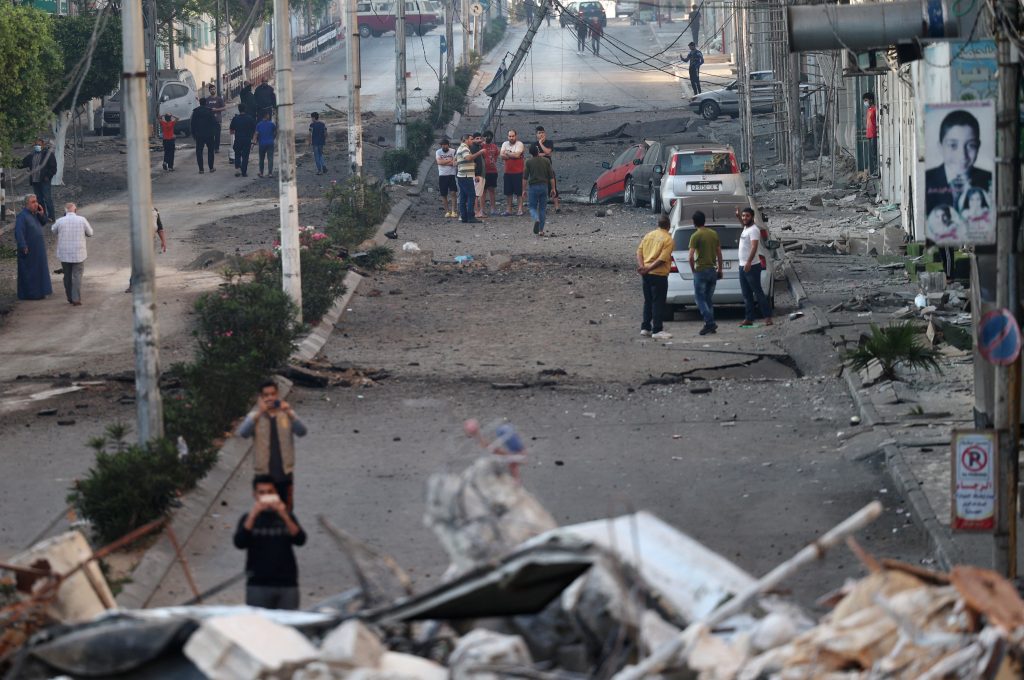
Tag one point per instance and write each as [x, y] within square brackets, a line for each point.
[268, 533]
[273, 426]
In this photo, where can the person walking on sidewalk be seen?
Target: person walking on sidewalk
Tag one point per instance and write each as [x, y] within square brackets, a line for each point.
[653, 262]
[273, 425]
[266, 132]
[582, 30]
[695, 22]
[72, 230]
[247, 99]
[490, 172]
[216, 104]
[42, 166]
[204, 127]
[512, 153]
[695, 58]
[465, 170]
[540, 182]
[243, 129]
[445, 157]
[167, 136]
[706, 264]
[317, 140]
[266, 99]
[33, 267]
[750, 265]
[268, 533]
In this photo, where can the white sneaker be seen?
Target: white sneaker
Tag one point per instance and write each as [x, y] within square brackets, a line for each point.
[645, 334]
[662, 336]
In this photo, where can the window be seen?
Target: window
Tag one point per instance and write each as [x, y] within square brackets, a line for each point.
[651, 157]
[625, 157]
[173, 91]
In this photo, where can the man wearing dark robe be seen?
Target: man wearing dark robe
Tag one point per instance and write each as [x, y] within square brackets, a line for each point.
[33, 267]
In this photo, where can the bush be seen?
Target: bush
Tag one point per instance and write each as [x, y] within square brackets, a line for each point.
[420, 137]
[128, 486]
[452, 96]
[379, 257]
[898, 343]
[354, 209]
[400, 160]
[494, 33]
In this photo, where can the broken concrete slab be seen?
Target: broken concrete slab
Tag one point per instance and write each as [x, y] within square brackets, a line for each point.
[352, 645]
[247, 646]
[481, 648]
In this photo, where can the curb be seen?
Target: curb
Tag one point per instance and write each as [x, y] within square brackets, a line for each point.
[796, 288]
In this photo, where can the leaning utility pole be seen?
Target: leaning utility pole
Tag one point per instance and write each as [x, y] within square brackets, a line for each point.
[466, 22]
[291, 274]
[449, 39]
[401, 101]
[148, 407]
[517, 61]
[355, 122]
[1007, 378]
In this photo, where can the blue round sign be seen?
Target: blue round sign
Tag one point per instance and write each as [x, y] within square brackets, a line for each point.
[999, 337]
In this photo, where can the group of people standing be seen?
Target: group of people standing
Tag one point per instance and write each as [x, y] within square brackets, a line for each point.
[468, 177]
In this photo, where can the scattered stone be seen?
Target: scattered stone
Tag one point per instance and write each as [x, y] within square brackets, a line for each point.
[498, 261]
[67, 421]
[816, 200]
[700, 389]
[247, 646]
[352, 645]
[47, 412]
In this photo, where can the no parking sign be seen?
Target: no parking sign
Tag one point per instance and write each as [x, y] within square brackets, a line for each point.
[974, 480]
[999, 337]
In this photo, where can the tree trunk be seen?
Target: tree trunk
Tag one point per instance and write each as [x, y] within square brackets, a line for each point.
[59, 126]
[170, 46]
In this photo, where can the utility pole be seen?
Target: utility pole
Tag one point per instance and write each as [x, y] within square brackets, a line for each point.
[449, 38]
[355, 120]
[216, 46]
[401, 100]
[510, 74]
[148, 406]
[291, 274]
[466, 21]
[153, 105]
[1007, 378]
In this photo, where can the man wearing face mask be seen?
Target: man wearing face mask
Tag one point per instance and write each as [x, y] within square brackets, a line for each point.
[42, 166]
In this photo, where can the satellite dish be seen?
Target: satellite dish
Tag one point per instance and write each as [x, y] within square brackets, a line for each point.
[476, 9]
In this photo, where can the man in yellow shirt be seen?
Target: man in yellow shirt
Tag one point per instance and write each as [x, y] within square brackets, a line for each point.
[653, 262]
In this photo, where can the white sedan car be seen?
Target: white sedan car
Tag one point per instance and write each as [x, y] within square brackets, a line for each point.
[699, 173]
[721, 216]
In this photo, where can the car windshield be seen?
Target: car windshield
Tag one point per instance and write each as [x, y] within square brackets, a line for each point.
[702, 163]
[729, 236]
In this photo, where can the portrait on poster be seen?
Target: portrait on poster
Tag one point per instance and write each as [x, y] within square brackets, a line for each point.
[959, 172]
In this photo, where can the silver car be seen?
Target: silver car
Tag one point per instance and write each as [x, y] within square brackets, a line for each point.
[713, 103]
[699, 172]
[720, 216]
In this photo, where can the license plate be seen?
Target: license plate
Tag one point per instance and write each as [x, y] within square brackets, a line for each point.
[705, 186]
[727, 264]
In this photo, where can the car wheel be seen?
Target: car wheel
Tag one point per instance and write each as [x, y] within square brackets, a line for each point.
[655, 201]
[364, 31]
[669, 314]
[593, 194]
[629, 195]
[409, 30]
[709, 110]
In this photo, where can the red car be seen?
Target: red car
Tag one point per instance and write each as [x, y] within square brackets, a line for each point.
[611, 184]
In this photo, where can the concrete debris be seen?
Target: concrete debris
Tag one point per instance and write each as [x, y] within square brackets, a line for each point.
[484, 648]
[247, 646]
[352, 645]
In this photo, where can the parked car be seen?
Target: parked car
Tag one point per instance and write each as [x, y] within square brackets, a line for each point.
[699, 170]
[377, 18]
[611, 184]
[177, 96]
[643, 187]
[581, 12]
[720, 215]
[713, 103]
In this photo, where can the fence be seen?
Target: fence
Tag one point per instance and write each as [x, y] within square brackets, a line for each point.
[310, 45]
[259, 68]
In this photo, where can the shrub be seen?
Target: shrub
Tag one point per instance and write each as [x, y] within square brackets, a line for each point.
[897, 343]
[494, 33]
[420, 137]
[400, 160]
[379, 257]
[128, 486]
[354, 209]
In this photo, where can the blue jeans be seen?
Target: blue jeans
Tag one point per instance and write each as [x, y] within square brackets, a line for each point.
[467, 198]
[704, 292]
[318, 157]
[537, 199]
[750, 286]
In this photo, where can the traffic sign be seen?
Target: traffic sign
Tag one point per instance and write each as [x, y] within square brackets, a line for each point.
[476, 9]
[999, 338]
[973, 502]
[444, 45]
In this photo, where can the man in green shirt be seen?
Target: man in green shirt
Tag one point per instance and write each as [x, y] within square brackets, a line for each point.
[540, 180]
[706, 264]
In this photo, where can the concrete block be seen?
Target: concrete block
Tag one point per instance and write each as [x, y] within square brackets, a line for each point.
[352, 645]
[247, 646]
[486, 648]
[407, 665]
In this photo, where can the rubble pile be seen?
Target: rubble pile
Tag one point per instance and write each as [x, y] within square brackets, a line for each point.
[625, 598]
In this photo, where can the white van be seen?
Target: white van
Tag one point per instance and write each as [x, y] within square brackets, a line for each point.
[178, 97]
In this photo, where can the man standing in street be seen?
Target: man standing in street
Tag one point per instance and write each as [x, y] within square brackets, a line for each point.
[547, 150]
[247, 99]
[707, 265]
[216, 104]
[33, 266]
[445, 157]
[871, 131]
[266, 99]
[749, 262]
[204, 127]
[317, 140]
[595, 35]
[266, 132]
[530, 7]
[72, 230]
[273, 426]
[42, 166]
[465, 169]
[540, 182]
[167, 136]
[243, 128]
[653, 262]
[479, 174]
[268, 534]
[695, 59]
[491, 172]
[512, 153]
[695, 22]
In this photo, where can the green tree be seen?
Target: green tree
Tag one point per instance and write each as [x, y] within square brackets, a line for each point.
[29, 62]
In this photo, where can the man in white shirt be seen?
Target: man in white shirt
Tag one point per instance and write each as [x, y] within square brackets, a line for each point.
[445, 157]
[750, 271]
[72, 230]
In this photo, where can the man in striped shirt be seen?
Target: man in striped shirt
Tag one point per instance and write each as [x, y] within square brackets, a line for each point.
[72, 230]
